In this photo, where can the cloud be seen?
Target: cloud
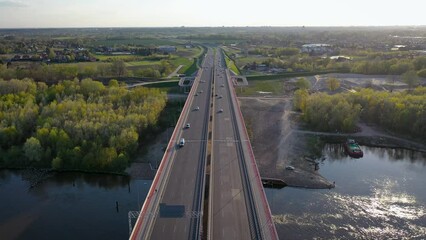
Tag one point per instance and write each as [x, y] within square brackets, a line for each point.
[12, 4]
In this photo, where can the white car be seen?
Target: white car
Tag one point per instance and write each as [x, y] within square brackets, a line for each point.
[182, 142]
[188, 125]
[289, 168]
[221, 110]
[220, 96]
[223, 85]
[197, 108]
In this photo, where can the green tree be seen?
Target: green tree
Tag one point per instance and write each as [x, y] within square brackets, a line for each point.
[57, 163]
[411, 79]
[32, 149]
[300, 98]
[118, 68]
[303, 83]
[113, 83]
[51, 53]
[332, 83]
[422, 73]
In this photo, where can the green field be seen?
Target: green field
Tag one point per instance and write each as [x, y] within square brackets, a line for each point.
[231, 65]
[136, 42]
[276, 87]
[169, 87]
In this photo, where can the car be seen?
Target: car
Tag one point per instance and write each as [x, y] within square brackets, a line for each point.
[187, 125]
[223, 85]
[201, 91]
[182, 142]
[221, 110]
[197, 108]
[196, 94]
[289, 168]
[220, 96]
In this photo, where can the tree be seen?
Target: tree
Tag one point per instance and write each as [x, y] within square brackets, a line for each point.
[303, 83]
[411, 79]
[32, 149]
[51, 53]
[57, 163]
[300, 97]
[333, 83]
[113, 83]
[422, 73]
[118, 68]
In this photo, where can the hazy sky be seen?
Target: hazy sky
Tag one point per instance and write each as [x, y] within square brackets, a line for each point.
[165, 13]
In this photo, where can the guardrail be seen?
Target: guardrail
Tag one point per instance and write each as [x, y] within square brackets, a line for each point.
[165, 161]
[257, 179]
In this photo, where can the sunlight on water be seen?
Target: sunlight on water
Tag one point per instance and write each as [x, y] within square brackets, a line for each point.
[372, 204]
[382, 215]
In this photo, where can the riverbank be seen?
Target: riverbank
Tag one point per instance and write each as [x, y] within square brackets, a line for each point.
[279, 142]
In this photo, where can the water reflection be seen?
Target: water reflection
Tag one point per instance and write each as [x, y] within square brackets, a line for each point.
[380, 196]
[337, 152]
[68, 206]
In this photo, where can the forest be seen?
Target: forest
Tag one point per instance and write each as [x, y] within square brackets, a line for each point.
[75, 125]
[400, 112]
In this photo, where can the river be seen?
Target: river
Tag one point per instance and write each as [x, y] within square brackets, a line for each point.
[68, 206]
[379, 196]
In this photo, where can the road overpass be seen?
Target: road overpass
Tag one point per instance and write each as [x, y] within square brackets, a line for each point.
[209, 188]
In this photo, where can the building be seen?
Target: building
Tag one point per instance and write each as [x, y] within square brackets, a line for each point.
[317, 48]
[399, 48]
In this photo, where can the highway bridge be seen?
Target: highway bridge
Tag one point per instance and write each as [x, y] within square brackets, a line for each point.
[209, 188]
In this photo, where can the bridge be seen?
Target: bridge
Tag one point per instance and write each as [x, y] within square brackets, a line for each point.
[210, 188]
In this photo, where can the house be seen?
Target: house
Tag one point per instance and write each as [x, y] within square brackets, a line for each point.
[317, 48]
[399, 48]
[340, 58]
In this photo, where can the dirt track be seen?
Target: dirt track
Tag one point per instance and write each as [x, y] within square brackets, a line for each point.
[276, 145]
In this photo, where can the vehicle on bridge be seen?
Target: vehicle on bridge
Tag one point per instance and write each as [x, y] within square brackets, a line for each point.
[182, 142]
[196, 108]
[187, 125]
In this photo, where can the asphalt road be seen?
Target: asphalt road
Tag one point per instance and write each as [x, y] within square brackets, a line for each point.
[229, 214]
[175, 208]
[237, 204]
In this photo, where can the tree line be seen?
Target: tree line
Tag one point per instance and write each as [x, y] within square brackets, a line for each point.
[55, 72]
[74, 124]
[401, 112]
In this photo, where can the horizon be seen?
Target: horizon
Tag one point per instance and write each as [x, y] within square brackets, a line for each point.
[30, 14]
[164, 27]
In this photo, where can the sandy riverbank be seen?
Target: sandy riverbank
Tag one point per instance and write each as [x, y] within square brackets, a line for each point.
[279, 142]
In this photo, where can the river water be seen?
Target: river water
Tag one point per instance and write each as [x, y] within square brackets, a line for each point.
[68, 206]
[380, 196]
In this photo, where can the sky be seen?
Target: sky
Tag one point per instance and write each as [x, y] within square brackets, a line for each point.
[199, 13]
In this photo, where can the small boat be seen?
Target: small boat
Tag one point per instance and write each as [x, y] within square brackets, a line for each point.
[352, 149]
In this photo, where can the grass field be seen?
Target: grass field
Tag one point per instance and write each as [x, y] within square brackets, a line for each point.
[274, 86]
[169, 87]
[242, 61]
[231, 65]
[147, 42]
